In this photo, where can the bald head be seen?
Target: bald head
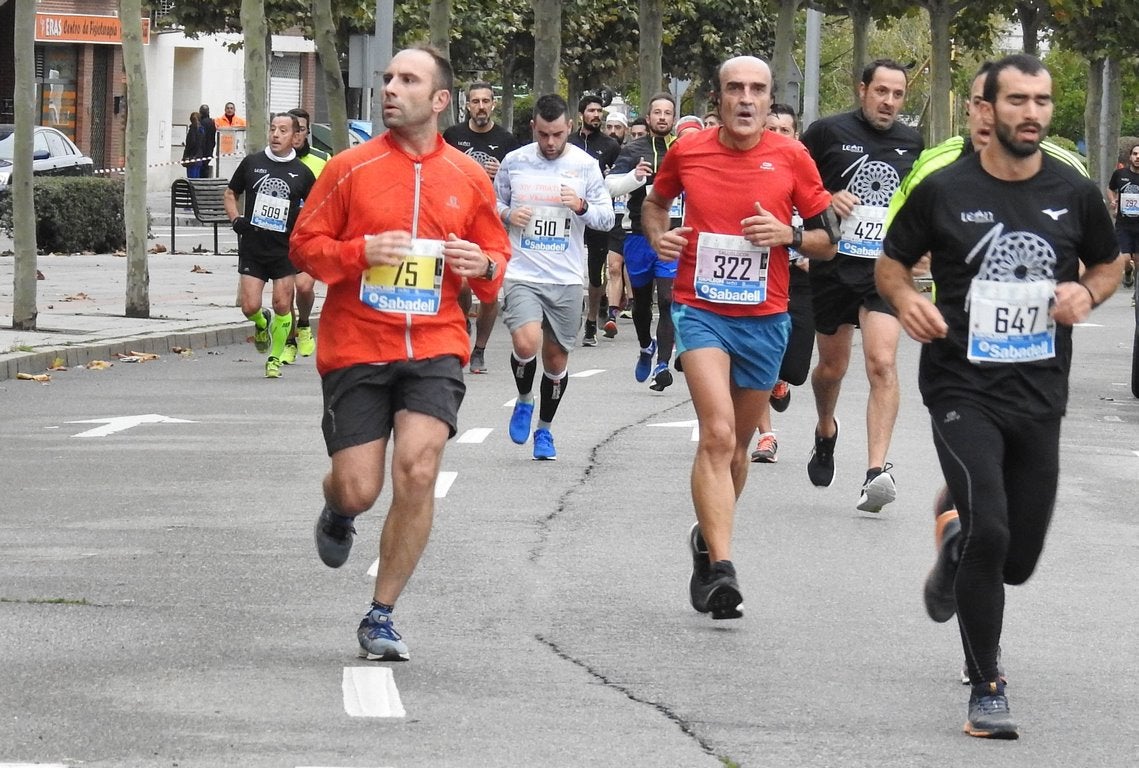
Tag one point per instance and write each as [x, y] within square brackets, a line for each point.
[743, 98]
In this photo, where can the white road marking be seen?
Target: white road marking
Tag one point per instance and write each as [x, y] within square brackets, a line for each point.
[374, 568]
[443, 483]
[586, 373]
[510, 403]
[33, 765]
[1112, 418]
[120, 423]
[371, 692]
[476, 435]
[1136, 453]
[694, 424]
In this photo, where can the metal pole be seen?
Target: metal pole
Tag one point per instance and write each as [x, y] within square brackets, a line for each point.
[382, 42]
[811, 68]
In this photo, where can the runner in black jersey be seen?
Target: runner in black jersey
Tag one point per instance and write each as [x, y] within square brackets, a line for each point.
[603, 148]
[1123, 194]
[487, 142]
[862, 156]
[1007, 228]
[275, 184]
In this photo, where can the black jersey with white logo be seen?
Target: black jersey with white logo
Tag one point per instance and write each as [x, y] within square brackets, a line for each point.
[853, 155]
[494, 143]
[274, 193]
[1125, 184]
[1005, 232]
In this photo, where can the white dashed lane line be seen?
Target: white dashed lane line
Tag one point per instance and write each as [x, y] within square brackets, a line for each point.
[371, 692]
[443, 483]
[476, 435]
[586, 373]
[684, 424]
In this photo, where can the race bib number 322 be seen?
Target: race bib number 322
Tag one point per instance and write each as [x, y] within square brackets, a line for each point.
[730, 270]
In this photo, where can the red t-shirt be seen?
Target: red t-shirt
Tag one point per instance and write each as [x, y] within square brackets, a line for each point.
[721, 186]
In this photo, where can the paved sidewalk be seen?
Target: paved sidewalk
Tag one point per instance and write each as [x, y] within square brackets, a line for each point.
[81, 305]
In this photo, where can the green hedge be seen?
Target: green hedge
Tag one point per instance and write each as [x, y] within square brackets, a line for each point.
[74, 214]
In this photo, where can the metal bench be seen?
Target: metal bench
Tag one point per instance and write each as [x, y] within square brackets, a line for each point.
[205, 197]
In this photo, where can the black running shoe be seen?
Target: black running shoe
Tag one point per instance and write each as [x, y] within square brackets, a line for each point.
[700, 564]
[940, 601]
[333, 535]
[989, 716]
[719, 592]
[820, 466]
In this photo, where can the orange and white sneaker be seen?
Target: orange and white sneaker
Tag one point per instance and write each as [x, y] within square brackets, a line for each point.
[766, 450]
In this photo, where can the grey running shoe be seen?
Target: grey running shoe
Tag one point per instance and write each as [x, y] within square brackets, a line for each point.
[989, 716]
[590, 337]
[820, 466]
[333, 535]
[766, 450]
[878, 490]
[478, 361]
[378, 639]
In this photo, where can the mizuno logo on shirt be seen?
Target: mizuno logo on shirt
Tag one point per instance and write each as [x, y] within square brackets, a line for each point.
[293, 175]
[899, 150]
[1055, 215]
[492, 147]
[977, 217]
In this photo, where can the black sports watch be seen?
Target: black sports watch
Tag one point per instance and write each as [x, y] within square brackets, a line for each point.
[796, 237]
[491, 269]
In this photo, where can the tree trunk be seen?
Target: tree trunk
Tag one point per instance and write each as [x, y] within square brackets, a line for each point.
[256, 74]
[651, 50]
[439, 22]
[507, 72]
[1029, 15]
[547, 45]
[860, 21]
[782, 59]
[134, 191]
[941, 71]
[23, 201]
[1093, 127]
[1111, 119]
[324, 26]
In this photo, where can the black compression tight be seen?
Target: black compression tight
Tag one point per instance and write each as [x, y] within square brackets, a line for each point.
[643, 316]
[1002, 473]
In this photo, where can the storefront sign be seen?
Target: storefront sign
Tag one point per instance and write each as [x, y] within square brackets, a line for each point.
[71, 28]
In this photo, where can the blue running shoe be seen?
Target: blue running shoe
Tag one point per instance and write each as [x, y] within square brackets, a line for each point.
[520, 421]
[378, 639]
[544, 446]
[645, 362]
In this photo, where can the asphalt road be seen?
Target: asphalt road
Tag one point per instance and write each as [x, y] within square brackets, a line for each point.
[161, 603]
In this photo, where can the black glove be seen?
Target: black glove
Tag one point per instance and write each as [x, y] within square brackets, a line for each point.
[242, 226]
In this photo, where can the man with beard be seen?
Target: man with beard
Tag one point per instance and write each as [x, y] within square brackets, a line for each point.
[633, 175]
[862, 156]
[548, 193]
[487, 142]
[591, 138]
[1006, 229]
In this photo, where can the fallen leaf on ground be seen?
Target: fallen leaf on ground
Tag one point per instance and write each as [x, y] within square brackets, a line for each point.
[40, 275]
[199, 248]
[77, 297]
[58, 364]
[98, 365]
[120, 254]
[157, 248]
[135, 357]
[41, 377]
[200, 269]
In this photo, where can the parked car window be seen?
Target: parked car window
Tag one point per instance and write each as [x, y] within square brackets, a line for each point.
[57, 146]
[39, 142]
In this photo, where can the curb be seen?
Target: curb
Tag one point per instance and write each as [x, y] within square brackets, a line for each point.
[158, 344]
